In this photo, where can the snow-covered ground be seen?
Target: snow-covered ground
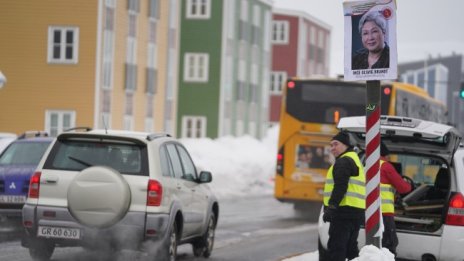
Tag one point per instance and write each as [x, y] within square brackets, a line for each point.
[245, 166]
[240, 166]
[367, 253]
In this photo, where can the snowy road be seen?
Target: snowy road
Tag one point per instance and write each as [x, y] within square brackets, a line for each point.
[249, 229]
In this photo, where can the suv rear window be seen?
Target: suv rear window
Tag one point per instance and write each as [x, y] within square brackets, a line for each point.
[77, 155]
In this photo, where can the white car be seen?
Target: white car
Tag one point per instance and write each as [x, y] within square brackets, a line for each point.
[113, 190]
[430, 219]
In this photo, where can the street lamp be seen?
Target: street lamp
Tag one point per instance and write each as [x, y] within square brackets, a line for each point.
[2, 79]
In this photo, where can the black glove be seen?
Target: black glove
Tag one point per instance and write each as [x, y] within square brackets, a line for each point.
[329, 213]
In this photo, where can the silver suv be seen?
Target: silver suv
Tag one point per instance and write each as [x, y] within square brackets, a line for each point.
[114, 190]
[430, 219]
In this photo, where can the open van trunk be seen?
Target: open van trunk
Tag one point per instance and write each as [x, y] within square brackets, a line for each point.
[423, 153]
[424, 208]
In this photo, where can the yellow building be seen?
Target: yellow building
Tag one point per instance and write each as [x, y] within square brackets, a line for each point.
[92, 63]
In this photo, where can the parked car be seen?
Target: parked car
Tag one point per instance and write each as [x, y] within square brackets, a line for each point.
[430, 219]
[17, 164]
[110, 189]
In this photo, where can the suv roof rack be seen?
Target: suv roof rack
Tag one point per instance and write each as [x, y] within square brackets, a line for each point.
[153, 136]
[32, 134]
[78, 129]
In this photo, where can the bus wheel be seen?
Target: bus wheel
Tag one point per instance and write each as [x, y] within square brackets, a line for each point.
[308, 210]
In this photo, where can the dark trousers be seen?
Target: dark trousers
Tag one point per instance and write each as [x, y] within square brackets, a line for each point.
[389, 237]
[343, 238]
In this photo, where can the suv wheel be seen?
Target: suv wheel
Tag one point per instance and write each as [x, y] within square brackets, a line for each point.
[41, 250]
[172, 243]
[204, 245]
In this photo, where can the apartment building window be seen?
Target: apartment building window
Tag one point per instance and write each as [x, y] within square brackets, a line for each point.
[106, 101]
[320, 50]
[240, 90]
[150, 106]
[256, 27]
[131, 77]
[153, 12]
[152, 72]
[280, 31]
[108, 45]
[59, 121]
[152, 78]
[278, 79]
[196, 66]
[198, 9]
[193, 127]
[63, 44]
[105, 120]
[128, 122]
[131, 53]
[149, 125]
[244, 28]
[133, 5]
[266, 33]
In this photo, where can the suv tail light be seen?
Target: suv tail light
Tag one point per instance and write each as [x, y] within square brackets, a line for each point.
[280, 162]
[154, 193]
[34, 185]
[455, 214]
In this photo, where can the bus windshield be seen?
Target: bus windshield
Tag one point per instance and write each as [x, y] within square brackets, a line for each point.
[325, 102]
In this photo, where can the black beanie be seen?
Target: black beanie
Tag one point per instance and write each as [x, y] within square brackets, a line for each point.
[342, 137]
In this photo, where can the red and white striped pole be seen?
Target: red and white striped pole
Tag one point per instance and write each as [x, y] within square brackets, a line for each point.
[373, 214]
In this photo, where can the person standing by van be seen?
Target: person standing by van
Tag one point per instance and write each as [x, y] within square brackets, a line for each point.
[390, 180]
[344, 199]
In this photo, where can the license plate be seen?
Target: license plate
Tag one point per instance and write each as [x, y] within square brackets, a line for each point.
[59, 232]
[12, 199]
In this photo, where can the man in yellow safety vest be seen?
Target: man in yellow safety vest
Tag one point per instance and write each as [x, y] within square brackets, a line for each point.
[344, 199]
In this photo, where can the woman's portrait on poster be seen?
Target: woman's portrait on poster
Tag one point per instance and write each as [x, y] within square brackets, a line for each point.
[375, 52]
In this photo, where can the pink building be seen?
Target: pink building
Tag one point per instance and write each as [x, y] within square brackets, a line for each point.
[300, 48]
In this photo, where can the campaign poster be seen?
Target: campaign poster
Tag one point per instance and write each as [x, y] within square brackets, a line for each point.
[370, 40]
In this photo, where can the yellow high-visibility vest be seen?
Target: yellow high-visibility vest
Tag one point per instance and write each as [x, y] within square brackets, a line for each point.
[356, 193]
[387, 194]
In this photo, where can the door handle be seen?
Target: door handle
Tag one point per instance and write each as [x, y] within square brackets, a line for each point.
[51, 179]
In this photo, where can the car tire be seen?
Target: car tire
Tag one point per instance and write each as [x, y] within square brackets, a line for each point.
[323, 253]
[204, 245]
[41, 250]
[172, 242]
[98, 197]
[308, 210]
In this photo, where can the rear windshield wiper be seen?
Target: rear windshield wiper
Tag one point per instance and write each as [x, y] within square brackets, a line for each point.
[80, 161]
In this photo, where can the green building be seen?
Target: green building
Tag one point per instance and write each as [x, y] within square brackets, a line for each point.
[224, 68]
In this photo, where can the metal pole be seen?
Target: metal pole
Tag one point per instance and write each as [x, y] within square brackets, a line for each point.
[373, 214]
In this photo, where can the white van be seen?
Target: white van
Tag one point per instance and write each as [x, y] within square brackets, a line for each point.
[430, 219]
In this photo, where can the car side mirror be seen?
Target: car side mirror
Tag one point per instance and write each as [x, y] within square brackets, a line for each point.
[205, 177]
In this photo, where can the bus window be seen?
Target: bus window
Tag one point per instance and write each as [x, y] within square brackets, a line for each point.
[313, 157]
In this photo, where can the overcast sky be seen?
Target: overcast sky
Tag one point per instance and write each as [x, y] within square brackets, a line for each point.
[424, 27]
